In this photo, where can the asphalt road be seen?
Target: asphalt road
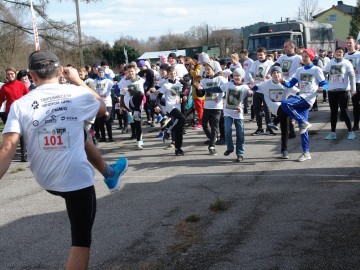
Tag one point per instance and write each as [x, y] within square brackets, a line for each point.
[271, 213]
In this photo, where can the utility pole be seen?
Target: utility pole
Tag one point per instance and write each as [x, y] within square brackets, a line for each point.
[82, 63]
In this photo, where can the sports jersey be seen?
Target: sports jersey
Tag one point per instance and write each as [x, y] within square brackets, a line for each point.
[213, 100]
[234, 98]
[51, 119]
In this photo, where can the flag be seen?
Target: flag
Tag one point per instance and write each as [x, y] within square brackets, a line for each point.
[36, 36]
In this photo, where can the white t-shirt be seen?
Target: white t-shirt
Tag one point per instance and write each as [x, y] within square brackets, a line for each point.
[339, 75]
[259, 70]
[355, 61]
[181, 70]
[171, 92]
[213, 100]
[103, 88]
[309, 80]
[51, 119]
[129, 89]
[274, 93]
[234, 97]
[247, 66]
[289, 64]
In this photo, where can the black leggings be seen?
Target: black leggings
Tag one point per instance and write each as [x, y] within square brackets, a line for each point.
[339, 99]
[81, 209]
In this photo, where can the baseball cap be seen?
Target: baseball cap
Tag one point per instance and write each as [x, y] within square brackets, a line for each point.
[141, 63]
[41, 59]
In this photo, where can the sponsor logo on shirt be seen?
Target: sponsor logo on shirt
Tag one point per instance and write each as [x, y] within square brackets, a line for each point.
[51, 120]
[35, 105]
[69, 118]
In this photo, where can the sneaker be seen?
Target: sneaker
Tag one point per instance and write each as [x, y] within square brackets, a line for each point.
[304, 156]
[239, 159]
[212, 151]
[179, 152]
[285, 155]
[124, 131]
[137, 115]
[140, 145]
[270, 132]
[120, 167]
[220, 141]
[271, 125]
[351, 135]
[228, 152]
[165, 121]
[324, 101]
[198, 126]
[331, 136]
[304, 127]
[170, 146]
[152, 124]
[355, 128]
[23, 158]
[159, 118]
[258, 132]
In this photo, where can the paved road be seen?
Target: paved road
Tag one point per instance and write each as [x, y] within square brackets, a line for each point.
[277, 214]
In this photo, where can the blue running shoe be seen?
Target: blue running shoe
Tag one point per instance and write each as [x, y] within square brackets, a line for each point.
[159, 118]
[120, 167]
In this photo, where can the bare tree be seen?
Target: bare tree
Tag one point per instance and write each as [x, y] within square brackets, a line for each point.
[307, 9]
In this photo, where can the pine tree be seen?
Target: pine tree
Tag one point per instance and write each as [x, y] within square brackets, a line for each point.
[355, 21]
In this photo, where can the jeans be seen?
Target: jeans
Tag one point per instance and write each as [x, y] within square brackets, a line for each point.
[240, 136]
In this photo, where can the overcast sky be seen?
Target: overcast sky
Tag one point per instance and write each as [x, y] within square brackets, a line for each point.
[108, 20]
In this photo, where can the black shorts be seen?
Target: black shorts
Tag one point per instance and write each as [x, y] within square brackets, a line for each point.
[81, 209]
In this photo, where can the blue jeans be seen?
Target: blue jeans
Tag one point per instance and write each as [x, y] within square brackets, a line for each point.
[298, 109]
[240, 136]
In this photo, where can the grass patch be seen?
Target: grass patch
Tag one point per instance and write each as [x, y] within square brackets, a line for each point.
[218, 206]
[17, 170]
[192, 218]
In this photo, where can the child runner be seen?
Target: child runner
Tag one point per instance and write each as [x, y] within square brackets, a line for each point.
[310, 79]
[173, 92]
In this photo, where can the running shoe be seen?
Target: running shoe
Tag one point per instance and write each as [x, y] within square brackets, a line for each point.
[351, 135]
[331, 136]
[120, 168]
[304, 156]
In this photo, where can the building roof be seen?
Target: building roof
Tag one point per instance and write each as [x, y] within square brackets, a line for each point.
[156, 55]
[341, 7]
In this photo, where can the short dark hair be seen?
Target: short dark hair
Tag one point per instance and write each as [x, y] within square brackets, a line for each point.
[170, 69]
[262, 50]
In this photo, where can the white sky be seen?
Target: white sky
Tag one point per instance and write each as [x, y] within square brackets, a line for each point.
[108, 20]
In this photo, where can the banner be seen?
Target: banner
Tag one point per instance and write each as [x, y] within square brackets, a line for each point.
[36, 36]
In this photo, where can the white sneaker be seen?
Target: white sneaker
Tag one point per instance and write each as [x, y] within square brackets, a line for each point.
[304, 127]
[140, 145]
[351, 135]
[304, 156]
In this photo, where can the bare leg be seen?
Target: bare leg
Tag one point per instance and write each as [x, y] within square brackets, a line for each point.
[94, 157]
[78, 258]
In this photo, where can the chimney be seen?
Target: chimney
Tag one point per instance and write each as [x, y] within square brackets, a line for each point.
[340, 3]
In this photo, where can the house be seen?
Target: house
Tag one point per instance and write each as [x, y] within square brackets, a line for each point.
[339, 16]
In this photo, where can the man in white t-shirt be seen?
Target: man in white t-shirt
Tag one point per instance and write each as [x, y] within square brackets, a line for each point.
[52, 118]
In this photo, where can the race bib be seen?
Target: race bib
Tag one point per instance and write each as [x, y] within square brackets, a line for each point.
[53, 139]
